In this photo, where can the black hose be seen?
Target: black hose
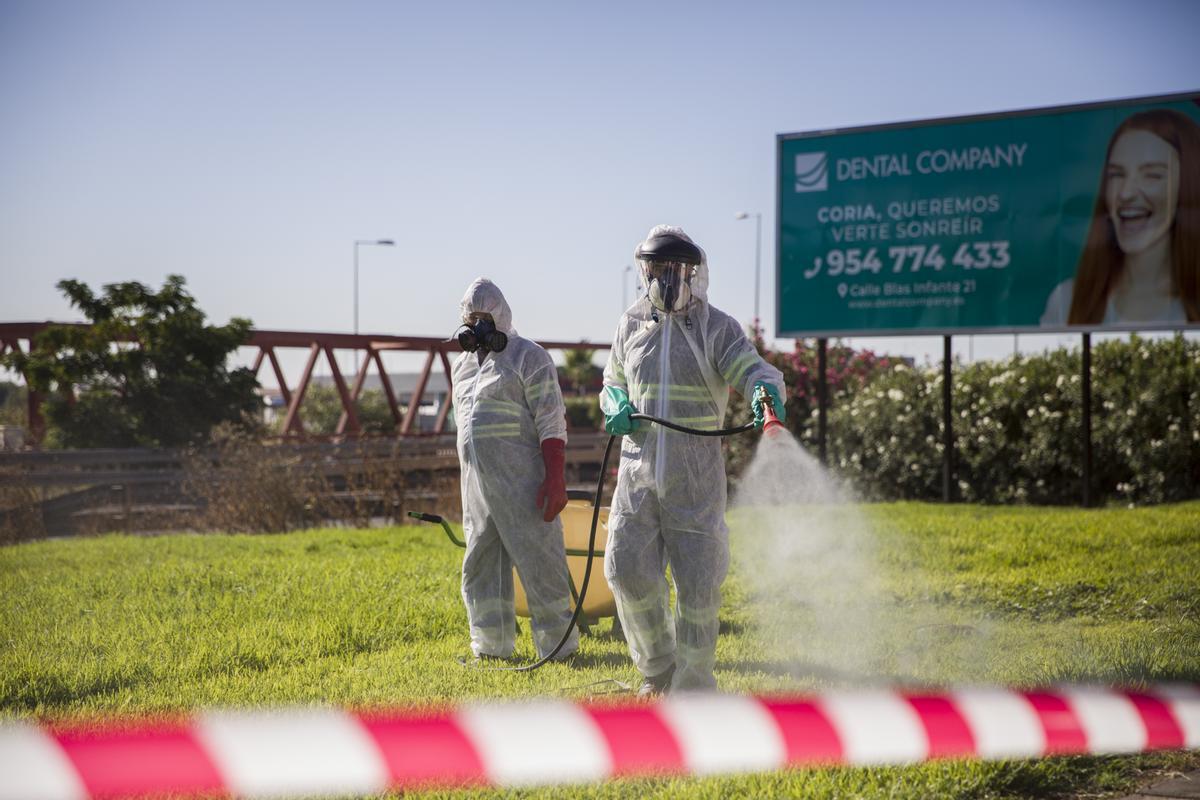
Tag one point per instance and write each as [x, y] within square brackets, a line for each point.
[675, 426]
[587, 570]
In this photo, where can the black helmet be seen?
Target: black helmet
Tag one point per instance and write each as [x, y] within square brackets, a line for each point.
[668, 247]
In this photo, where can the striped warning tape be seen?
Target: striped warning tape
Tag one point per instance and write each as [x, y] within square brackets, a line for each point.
[307, 752]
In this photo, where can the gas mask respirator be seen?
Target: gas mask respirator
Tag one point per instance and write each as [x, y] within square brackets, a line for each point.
[668, 284]
[482, 335]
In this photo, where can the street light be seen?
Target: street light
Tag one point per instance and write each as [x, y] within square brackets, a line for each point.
[625, 288]
[757, 252]
[357, 244]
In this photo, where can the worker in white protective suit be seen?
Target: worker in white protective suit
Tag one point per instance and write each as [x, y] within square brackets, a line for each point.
[512, 435]
[674, 356]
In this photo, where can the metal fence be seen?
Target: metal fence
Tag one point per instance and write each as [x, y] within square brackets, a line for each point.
[69, 492]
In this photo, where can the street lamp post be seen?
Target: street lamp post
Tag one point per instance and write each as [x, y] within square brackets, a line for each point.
[357, 244]
[625, 288]
[757, 256]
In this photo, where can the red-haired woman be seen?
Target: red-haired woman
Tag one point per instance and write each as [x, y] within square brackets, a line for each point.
[1141, 261]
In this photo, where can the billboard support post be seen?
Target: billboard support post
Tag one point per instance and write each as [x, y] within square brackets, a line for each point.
[822, 399]
[1087, 420]
[947, 425]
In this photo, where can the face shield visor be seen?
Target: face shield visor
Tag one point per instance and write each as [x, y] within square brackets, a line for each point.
[668, 283]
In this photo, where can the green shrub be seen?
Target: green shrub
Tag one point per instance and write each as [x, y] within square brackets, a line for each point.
[886, 437]
[584, 414]
[1146, 419]
[848, 370]
[1018, 427]
[321, 411]
[1018, 423]
[13, 403]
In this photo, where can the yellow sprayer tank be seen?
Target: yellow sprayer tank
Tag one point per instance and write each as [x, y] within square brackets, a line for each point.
[577, 525]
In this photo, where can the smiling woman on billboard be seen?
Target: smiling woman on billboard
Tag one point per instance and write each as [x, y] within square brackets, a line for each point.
[1141, 259]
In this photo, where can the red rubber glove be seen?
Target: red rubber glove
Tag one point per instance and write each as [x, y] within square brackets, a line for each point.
[552, 495]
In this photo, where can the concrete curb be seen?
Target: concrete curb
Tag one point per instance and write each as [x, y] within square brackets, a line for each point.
[1184, 787]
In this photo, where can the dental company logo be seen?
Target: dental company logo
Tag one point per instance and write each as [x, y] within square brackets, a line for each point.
[930, 162]
[812, 172]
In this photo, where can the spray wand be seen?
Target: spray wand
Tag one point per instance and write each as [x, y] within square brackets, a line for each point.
[771, 427]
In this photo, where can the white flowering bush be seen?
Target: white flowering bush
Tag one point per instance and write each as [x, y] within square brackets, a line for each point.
[886, 438]
[1018, 427]
[1146, 419]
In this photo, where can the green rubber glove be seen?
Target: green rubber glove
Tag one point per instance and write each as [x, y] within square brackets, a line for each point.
[767, 392]
[617, 408]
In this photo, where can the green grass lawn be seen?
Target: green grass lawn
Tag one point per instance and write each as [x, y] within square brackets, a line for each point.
[1013, 596]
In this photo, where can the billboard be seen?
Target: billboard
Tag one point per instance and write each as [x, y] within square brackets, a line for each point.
[1062, 219]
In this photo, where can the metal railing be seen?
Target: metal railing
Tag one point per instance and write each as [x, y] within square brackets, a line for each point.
[72, 491]
[20, 337]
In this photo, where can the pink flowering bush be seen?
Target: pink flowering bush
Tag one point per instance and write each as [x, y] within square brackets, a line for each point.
[847, 371]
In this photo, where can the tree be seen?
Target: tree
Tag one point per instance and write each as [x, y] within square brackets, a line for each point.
[12, 403]
[579, 369]
[322, 409]
[146, 372]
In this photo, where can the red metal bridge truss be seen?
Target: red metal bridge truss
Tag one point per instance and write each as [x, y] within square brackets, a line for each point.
[20, 337]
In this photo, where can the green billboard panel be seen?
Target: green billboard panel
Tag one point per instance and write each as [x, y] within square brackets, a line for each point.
[1078, 218]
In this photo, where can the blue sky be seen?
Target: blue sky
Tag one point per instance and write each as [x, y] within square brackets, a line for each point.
[247, 145]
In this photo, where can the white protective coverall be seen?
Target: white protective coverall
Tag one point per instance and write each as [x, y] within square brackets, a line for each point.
[504, 407]
[669, 502]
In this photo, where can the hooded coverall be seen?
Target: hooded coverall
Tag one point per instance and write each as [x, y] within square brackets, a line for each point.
[504, 406]
[669, 504]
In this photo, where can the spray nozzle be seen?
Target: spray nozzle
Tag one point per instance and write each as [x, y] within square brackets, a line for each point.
[771, 424]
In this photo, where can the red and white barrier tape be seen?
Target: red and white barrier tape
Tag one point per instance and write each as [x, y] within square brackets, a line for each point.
[309, 752]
